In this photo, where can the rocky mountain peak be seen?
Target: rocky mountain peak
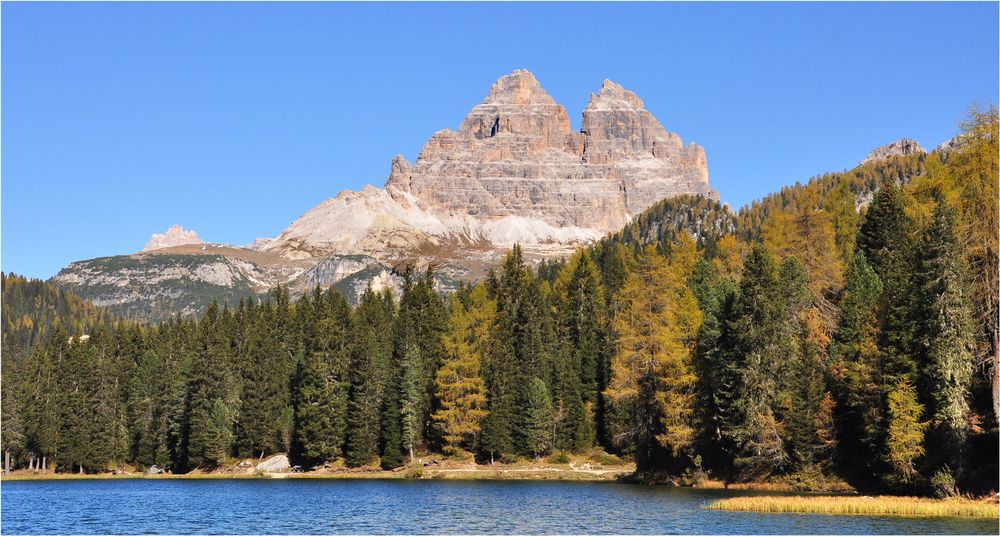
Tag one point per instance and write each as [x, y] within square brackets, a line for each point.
[516, 105]
[900, 147]
[174, 236]
[614, 96]
[519, 87]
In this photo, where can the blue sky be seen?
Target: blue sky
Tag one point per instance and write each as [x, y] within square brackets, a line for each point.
[121, 119]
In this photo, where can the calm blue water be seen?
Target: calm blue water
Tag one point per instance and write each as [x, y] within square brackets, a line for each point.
[337, 506]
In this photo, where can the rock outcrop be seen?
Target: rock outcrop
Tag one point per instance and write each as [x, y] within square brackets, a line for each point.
[901, 147]
[952, 144]
[274, 464]
[174, 236]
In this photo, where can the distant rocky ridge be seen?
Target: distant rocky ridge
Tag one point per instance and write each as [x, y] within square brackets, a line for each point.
[514, 172]
[900, 147]
[174, 236]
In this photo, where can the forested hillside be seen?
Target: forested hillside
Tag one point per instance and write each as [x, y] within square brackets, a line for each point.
[31, 308]
[841, 329]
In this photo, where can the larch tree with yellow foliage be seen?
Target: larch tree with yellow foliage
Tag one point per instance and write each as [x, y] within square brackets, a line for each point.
[459, 386]
[651, 372]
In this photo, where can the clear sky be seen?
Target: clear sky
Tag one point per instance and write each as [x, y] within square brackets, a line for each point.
[121, 119]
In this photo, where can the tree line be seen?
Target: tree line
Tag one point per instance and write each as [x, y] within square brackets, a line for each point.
[798, 340]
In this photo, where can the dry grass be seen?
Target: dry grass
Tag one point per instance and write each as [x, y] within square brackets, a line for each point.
[874, 506]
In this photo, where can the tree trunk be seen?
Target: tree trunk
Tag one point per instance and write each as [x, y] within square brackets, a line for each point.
[81, 468]
[6, 462]
[45, 464]
[411, 454]
[996, 375]
[31, 464]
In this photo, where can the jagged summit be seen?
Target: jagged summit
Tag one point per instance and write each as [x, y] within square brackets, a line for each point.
[513, 171]
[614, 96]
[519, 87]
[174, 236]
[900, 147]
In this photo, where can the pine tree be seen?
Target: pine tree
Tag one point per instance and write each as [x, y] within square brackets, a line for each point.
[884, 238]
[512, 355]
[420, 324]
[585, 325]
[209, 382]
[718, 376]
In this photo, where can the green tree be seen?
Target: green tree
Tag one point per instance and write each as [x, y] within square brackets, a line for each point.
[219, 434]
[948, 340]
[321, 408]
[855, 368]
[412, 394]
[366, 371]
[539, 422]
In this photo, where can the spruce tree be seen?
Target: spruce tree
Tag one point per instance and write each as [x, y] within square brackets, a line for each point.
[510, 357]
[366, 374]
[411, 397]
[758, 323]
[856, 369]
[11, 430]
[538, 424]
[321, 405]
[947, 345]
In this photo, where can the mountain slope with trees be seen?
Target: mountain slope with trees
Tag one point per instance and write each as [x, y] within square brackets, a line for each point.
[840, 329]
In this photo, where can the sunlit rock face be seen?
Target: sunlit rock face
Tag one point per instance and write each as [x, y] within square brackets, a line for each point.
[174, 236]
[900, 147]
[514, 172]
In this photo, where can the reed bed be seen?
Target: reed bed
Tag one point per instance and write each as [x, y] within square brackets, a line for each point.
[854, 505]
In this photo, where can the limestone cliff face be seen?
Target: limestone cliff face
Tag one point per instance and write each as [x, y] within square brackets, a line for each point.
[515, 171]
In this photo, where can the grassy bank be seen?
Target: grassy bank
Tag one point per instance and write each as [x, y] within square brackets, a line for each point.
[877, 506]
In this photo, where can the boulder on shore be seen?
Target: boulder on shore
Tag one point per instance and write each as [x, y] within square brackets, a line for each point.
[278, 462]
[154, 470]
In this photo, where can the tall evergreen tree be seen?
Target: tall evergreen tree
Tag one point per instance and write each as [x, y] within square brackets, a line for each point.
[856, 369]
[367, 370]
[538, 424]
[947, 344]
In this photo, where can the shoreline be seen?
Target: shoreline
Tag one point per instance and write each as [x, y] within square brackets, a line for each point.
[546, 473]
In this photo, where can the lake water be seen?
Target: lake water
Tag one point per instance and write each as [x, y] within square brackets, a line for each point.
[393, 506]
